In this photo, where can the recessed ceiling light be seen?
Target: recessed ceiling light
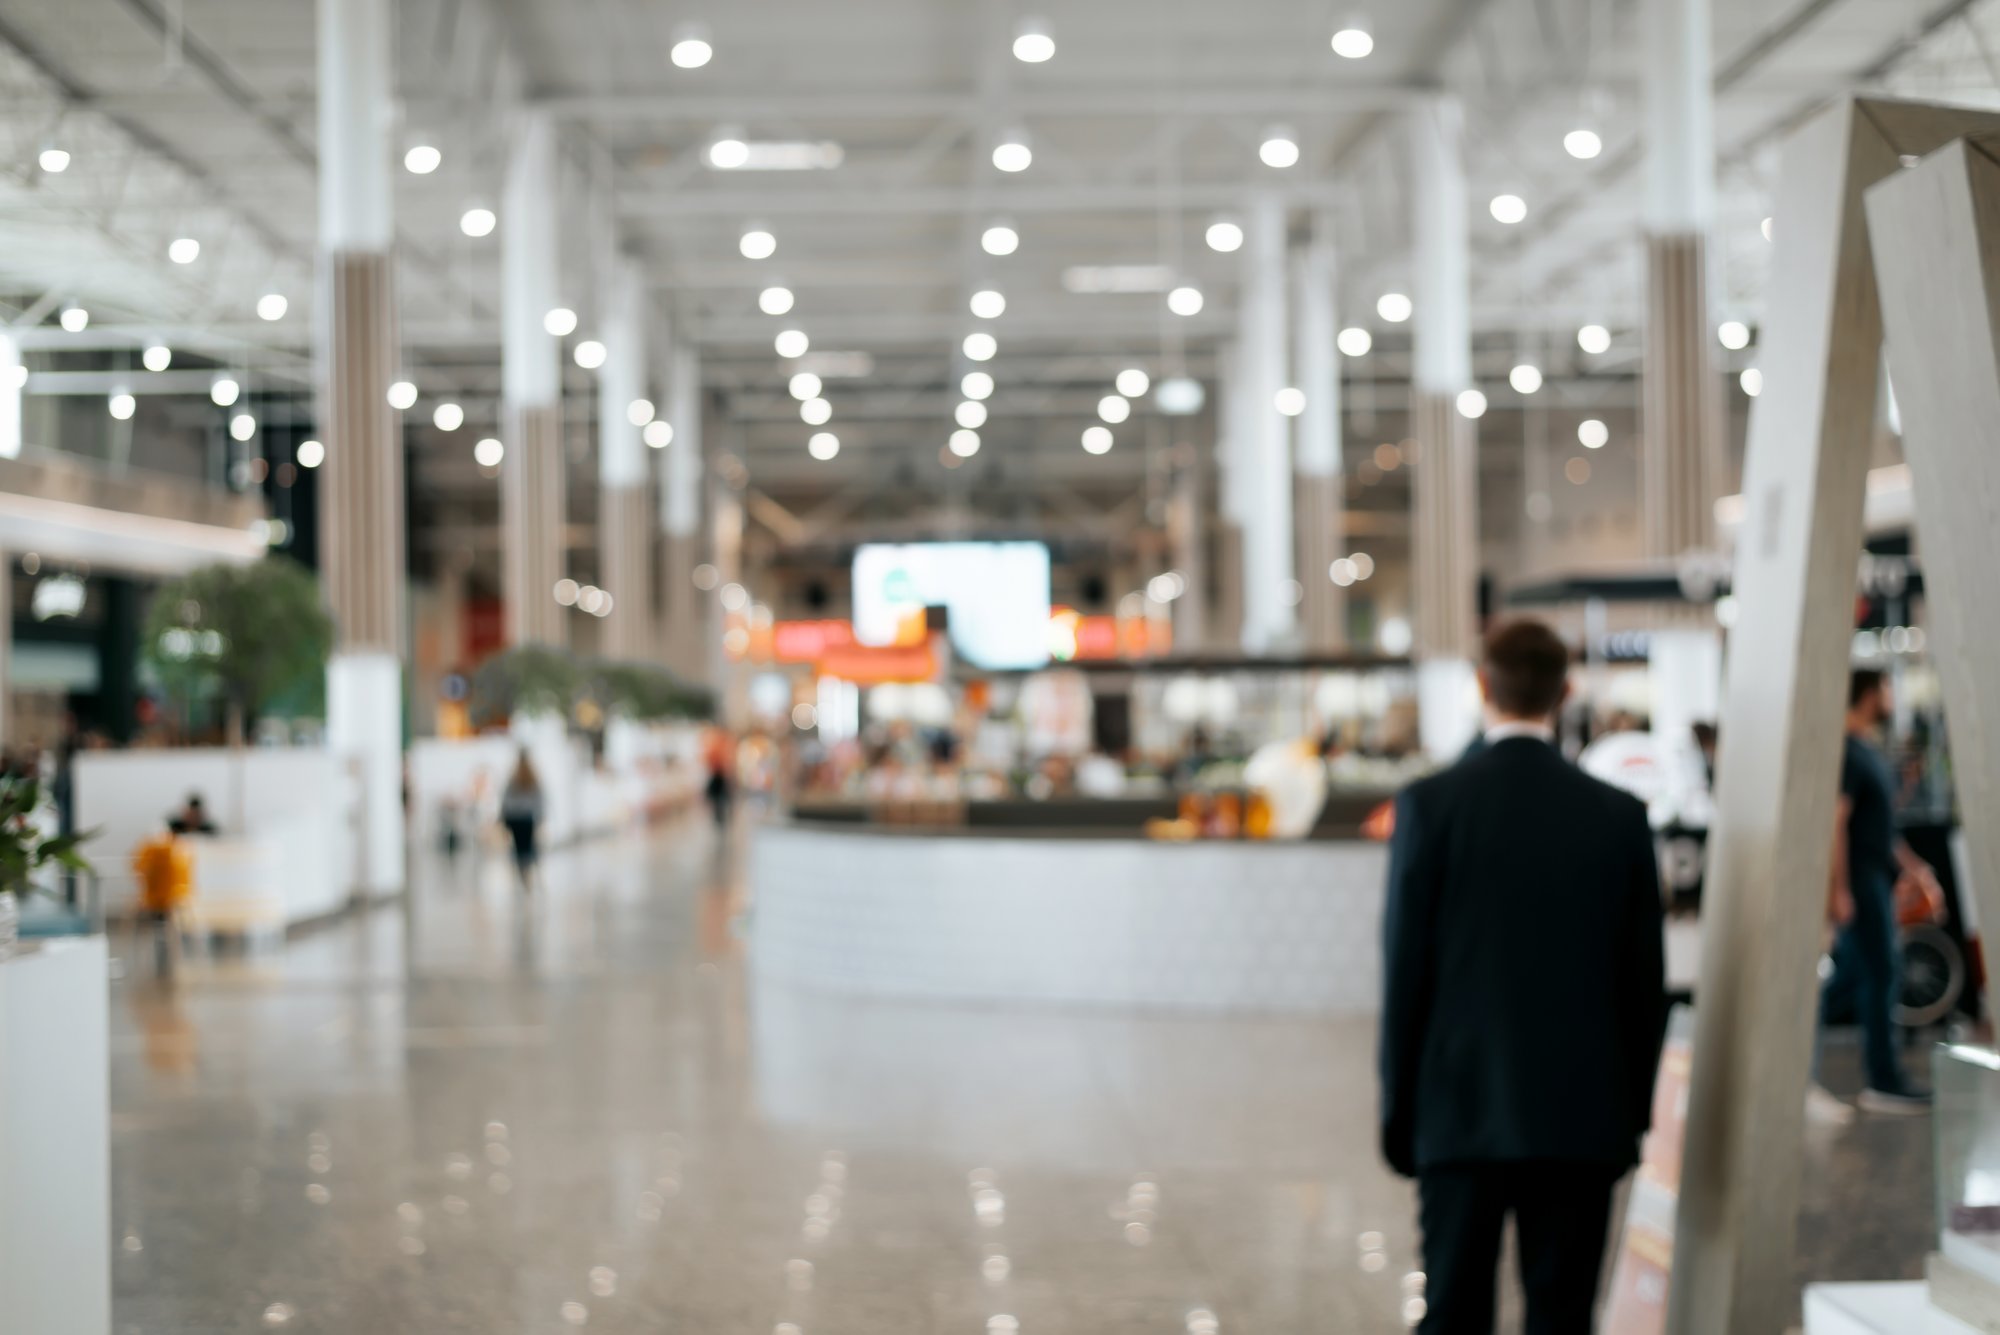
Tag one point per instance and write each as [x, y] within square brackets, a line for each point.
[1032, 44]
[75, 319]
[1290, 401]
[815, 412]
[1097, 439]
[1583, 144]
[981, 347]
[54, 161]
[1471, 403]
[122, 405]
[791, 343]
[402, 396]
[757, 244]
[158, 357]
[184, 250]
[272, 306]
[988, 304]
[1000, 239]
[589, 354]
[639, 412]
[477, 221]
[1592, 434]
[447, 417]
[1734, 334]
[422, 159]
[1525, 378]
[970, 414]
[1594, 339]
[1280, 147]
[1224, 235]
[1354, 341]
[223, 391]
[1133, 382]
[775, 300]
[823, 446]
[1185, 301]
[1395, 307]
[1114, 408]
[560, 321]
[1508, 209]
[965, 443]
[488, 453]
[691, 49]
[310, 454]
[1752, 381]
[805, 385]
[1012, 153]
[1353, 40]
[976, 385]
[659, 433]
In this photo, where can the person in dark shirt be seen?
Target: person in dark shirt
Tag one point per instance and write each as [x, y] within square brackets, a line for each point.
[1524, 1003]
[1869, 859]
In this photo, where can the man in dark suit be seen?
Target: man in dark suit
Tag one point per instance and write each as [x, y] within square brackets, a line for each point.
[1524, 1006]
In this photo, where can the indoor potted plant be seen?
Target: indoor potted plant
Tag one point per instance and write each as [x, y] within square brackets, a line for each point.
[26, 847]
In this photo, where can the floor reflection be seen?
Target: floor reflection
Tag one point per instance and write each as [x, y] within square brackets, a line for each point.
[497, 1111]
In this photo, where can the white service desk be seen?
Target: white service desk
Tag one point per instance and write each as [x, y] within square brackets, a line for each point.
[1284, 928]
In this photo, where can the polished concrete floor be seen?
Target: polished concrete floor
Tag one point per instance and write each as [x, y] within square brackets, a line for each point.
[474, 1111]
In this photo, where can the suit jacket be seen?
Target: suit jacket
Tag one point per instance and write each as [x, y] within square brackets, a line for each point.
[1524, 988]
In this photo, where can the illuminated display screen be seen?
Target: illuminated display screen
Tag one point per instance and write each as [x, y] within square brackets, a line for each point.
[996, 595]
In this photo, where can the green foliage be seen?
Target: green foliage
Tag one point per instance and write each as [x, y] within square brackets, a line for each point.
[24, 850]
[248, 634]
[531, 679]
[646, 693]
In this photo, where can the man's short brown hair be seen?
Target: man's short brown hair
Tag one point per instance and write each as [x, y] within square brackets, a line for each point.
[1527, 665]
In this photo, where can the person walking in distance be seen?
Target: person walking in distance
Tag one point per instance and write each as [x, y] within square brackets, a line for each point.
[1869, 860]
[521, 813]
[1524, 1003]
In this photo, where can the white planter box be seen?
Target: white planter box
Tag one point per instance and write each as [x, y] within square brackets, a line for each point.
[55, 1162]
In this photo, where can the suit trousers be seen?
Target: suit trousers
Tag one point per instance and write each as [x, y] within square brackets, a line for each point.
[1562, 1217]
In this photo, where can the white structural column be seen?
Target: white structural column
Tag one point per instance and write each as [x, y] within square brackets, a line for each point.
[1316, 371]
[361, 526]
[1681, 449]
[684, 623]
[1270, 618]
[1186, 521]
[1764, 897]
[1225, 628]
[533, 506]
[1444, 535]
[625, 509]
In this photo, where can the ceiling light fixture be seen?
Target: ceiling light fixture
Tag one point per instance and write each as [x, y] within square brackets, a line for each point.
[791, 343]
[824, 445]
[1185, 301]
[310, 454]
[639, 412]
[965, 443]
[775, 300]
[1224, 235]
[980, 347]
[815, 412]
[1395, 307]
[158, 357]
[560, 321]
[1114, 408]
[976, 385]
[1012, 153]
[478, 221]
[659, 433]
[272, 306]
[971, 414]
[1280, 147]
[1097, 439]
[805, 385]
[1032, 43]
[242, 427]
[447, 417]
[402, 396]
[1290, 401]
[589, 354]
[75, 319]
[123, 405]
[691, 49]
[1583, 144]
[1353, 40]
[1592, 434]
[1508, 209]
[728, 151]
[1133, 382]
[1594, 339]
[1000, 238]
[184, 250]
[54, 161]
[488, 453]
[422, 159]
[1752, 381]
[1734, 334]
[1472, 404]
[1179, 396]
[223, 391]
[988, 304]
[1354, 341]
[1525, 378]
[757, 243]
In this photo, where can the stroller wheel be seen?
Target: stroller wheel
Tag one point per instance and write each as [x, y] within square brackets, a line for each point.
[1933, 976]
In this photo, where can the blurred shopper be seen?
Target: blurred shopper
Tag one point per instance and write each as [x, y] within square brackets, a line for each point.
[720, 790]
[521, 813]
[1869, 860]
[165, 870]
[192, 818]
[1524, 1003]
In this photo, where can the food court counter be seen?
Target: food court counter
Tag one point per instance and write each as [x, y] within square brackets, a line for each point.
[1111, 919]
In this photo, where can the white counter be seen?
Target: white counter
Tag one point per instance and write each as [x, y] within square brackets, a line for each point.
[1290, 928]
[55, 1162]
[1876, 1309]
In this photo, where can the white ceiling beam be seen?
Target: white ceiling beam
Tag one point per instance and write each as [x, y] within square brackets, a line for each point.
[776, 107]
[953, 200]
